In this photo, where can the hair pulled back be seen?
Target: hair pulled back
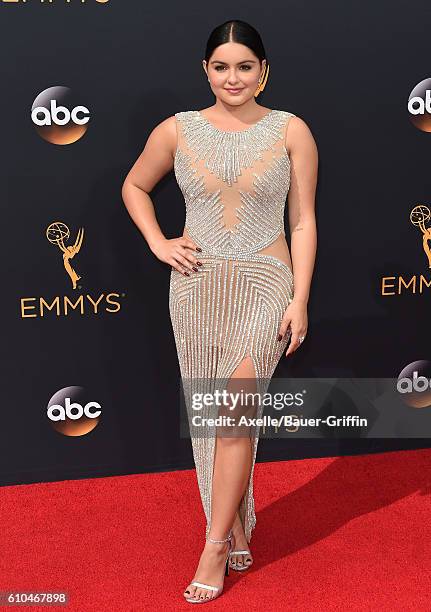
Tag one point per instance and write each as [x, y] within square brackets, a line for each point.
[236, 31]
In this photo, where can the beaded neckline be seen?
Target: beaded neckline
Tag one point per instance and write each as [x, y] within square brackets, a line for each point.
[227, 153]
[216, 129]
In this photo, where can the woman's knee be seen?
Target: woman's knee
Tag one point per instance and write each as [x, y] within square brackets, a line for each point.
[233, 437]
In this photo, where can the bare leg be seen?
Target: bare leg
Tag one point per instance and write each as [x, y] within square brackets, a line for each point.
[232, 465]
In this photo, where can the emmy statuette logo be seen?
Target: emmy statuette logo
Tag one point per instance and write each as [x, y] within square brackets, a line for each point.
[420, 216]
[57, 233]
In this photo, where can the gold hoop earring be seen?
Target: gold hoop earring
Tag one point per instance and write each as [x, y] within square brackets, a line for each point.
[262, 81]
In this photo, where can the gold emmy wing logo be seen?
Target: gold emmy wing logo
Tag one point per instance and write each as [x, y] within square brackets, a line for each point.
[419, 216]
[57, 233]
[81, 303]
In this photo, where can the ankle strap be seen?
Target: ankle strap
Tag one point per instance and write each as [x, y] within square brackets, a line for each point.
[228, 539]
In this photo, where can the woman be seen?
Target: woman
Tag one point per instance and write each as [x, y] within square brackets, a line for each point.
[232, 304]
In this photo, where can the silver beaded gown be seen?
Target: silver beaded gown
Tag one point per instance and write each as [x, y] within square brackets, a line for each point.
[235, 185]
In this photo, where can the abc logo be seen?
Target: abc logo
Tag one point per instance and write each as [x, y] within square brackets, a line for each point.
[419, 105]
[414, 384]
[58, 116]
[70, 412]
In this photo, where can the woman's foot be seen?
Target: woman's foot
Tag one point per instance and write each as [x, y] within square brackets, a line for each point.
[210, 570]
[239, 542]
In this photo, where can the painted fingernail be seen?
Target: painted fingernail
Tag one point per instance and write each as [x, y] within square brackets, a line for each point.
[187, 273]
[199, 263]
[199, 249]
[195, 269]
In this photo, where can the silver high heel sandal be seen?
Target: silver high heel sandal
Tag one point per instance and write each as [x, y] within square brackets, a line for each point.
[236, 566]
[217, 589]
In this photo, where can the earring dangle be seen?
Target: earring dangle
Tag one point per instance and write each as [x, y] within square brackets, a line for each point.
[262, 81]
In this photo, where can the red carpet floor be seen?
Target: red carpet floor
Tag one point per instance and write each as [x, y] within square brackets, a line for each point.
[350, 533]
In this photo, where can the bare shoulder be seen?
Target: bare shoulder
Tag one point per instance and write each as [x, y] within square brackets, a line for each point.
[299, 135]
[157, 157]
[165, 134]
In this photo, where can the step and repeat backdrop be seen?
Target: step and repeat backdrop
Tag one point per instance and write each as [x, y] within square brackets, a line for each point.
[90, 376]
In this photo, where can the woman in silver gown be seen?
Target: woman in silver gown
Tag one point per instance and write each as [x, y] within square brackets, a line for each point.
[232, 301]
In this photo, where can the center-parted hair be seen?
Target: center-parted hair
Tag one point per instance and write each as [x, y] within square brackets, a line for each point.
[237, 31]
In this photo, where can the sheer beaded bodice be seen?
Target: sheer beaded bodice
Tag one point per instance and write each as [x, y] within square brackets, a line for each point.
[234, 183]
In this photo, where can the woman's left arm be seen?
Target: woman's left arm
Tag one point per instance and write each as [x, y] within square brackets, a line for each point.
[302, 221]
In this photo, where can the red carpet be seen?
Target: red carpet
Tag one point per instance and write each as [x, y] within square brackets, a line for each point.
[350, 533]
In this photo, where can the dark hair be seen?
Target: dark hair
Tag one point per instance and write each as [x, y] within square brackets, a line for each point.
[237, 31]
